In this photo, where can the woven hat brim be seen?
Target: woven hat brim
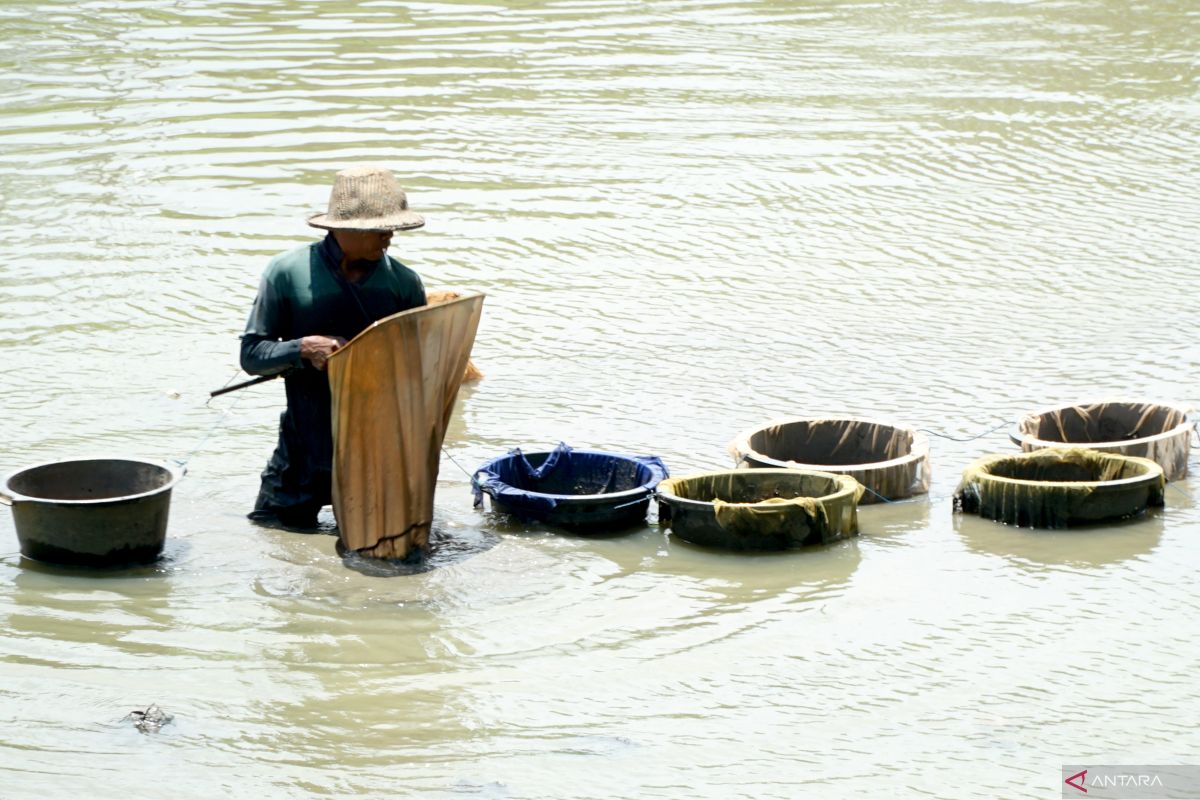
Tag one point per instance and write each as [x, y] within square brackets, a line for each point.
[396, 222]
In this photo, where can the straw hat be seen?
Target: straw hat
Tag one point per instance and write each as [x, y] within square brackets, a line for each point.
[367, 199]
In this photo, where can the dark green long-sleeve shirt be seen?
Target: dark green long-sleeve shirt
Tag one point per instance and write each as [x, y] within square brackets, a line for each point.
[303, 293]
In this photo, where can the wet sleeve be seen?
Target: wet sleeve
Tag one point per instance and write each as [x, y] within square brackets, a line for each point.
[263, 352]
[269, 357]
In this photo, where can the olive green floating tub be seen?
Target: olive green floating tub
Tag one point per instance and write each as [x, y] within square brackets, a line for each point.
[761, 509]
[1057, 488]
[890, 461]
[1161, 433]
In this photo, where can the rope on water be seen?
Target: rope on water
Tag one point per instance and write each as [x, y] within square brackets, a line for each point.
[877, 494]
[969, 438]
[1181, 491]
[642, 498]
[917, 498]
[455, 463]
[183, 462]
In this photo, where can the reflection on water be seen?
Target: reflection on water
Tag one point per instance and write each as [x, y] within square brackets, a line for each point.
[745, 577]
[1087, 546]
[688, 218]
[887, 524]
[174, 556]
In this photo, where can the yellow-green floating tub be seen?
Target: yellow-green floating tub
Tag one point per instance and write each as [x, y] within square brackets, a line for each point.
[760, 509]
[1057, 488]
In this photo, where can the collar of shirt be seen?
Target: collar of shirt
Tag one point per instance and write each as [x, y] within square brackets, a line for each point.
[331, 251]
[332, 254]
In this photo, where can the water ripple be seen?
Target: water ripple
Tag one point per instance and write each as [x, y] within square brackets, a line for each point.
[688, 218]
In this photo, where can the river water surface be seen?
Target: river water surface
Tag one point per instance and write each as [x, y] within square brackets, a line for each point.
[689, 218]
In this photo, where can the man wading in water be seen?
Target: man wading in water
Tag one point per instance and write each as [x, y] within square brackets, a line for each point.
[310, 302]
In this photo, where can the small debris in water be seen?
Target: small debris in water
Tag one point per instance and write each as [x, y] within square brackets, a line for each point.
[150, 720]
[174, 394]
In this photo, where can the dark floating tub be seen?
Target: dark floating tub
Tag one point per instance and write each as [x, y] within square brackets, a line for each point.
[581, 490]
[98, 512]
[760, 509]
[890, 461]
[1161, 433]
[1057, 488]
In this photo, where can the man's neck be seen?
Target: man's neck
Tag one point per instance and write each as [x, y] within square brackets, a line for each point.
[356, 270]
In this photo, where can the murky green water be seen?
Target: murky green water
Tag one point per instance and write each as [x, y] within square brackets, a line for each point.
[689, 217]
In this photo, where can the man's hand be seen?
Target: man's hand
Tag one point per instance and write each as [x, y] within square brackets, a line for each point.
[317, 349]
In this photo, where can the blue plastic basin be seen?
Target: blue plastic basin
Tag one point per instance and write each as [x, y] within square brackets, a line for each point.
[578, 489]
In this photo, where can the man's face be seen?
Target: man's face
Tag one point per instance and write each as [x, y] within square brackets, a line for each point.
[363, 245]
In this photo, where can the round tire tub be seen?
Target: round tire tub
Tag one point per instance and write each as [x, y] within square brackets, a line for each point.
[890, 461]
[1057, 488]
[582, 490]
[1161, 433]
[760, 509]
[98, 512]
